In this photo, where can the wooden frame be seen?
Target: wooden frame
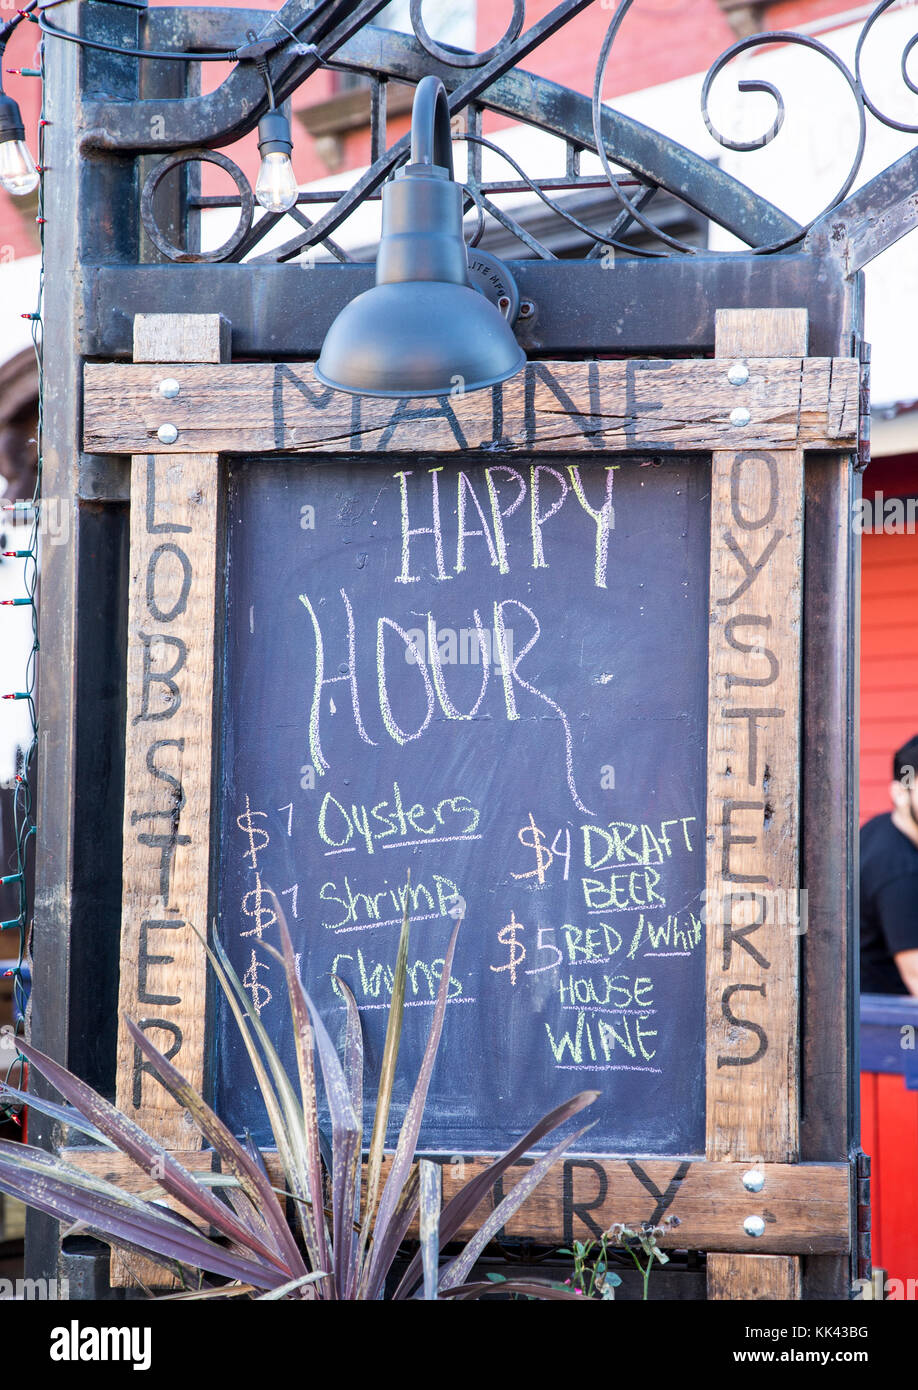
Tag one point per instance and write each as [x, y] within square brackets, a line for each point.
[755, 408]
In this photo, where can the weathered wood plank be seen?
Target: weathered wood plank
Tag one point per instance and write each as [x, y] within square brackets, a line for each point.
[168, 759]
[806, 1207]
[624, 407]
[169, 684]
[167, 796]
[762, 1277]
[753, 801]
[181, 338]
[739, 333]
[166, 852]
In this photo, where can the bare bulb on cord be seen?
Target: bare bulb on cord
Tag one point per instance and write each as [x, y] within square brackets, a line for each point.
[275, 187]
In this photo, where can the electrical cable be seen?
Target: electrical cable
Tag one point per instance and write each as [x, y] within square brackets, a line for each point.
[24, 811]
[252, 51]
[160, 55]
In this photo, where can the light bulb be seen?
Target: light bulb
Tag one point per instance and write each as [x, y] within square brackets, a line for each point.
[276, 187]
[18, 174]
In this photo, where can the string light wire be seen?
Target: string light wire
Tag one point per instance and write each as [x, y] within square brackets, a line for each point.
[23, 795]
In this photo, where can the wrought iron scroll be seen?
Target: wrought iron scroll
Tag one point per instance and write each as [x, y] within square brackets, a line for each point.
[636, 162]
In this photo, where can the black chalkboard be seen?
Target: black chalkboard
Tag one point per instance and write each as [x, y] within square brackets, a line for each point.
[543, 757]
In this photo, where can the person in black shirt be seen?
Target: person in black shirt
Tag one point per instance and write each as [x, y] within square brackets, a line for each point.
[889, 886]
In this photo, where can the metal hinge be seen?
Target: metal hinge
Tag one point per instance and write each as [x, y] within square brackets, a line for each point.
[862, 1179]
[863, 436]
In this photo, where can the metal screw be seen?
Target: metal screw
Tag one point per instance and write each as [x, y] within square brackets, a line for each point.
[167, 434]
[527, 309]
[754, 1226]
[169, 388]
[754, 1180]
[738, 374]
[740, 416]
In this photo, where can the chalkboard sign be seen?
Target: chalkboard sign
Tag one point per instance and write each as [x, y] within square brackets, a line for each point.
[494, 678]
[541, 646]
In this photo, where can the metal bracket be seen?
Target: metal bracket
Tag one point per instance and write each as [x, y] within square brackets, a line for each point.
[492, 277]
[104, 478]
[863, 443]
[872, 219]
[862, 1201]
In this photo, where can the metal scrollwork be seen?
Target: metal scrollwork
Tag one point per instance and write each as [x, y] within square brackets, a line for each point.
[600, 145]
[593, 233]
[854, 81]
[478, 81]
[903, 68]
[801, 41]
[455, 58]
[148, 213]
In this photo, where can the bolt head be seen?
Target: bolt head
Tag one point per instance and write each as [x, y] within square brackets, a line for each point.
[754, 1180]
[754, 1226]
[738, 374]
[740, 416]
[167, 434]
[169, 388]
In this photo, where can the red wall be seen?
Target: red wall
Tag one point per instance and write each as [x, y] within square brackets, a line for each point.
[18, 232]
[889, 637]
[889, 1133]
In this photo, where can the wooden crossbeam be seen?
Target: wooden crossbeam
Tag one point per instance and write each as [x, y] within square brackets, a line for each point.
[624, 407]
[806, 1206]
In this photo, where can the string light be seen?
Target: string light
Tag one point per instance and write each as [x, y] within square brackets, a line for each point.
[25, 511]
[18, 174]
[276, 187]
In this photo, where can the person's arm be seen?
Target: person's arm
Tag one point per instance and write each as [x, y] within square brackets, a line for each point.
[907, 964]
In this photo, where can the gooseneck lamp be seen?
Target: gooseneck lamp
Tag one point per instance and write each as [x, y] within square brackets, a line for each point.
[422, 330]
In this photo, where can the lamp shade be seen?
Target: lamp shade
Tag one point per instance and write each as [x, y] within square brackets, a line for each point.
[422, 330]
